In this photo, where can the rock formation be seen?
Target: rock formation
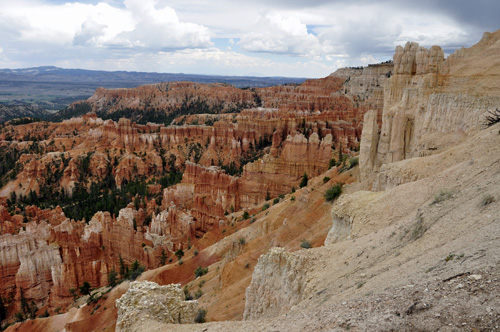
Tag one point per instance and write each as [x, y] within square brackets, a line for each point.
[430, 103]
[278, 282]
[147, 301]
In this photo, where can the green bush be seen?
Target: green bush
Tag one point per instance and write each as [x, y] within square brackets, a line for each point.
[246, 215]
[332, 163]
[304, 181]
[200, 271]
[276, 201]
[179, 253]
[136, 270]
[326, 179]
[292, 198]
[333, 192]
[265, 207]
[200, 317]
[85, 289]
[305, 244]
[353, 162]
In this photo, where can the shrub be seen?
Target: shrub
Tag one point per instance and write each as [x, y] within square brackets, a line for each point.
[195, 253]
[200, 317]
[246, 215]
[304, 181]
[487, 199]
[242, 240]
[293, 190]
[353, 162]
[265, 207]
[85, 288]
[305, 244]
[163, 257]
[200, 271]
[492, 118]
[332, 163]
[333, 192]
[179, 253]
[112, 278]
[292, 198]
[276, 201]
[187, 295]
[135, 270]
[442, 195]
[326, 179]
[198, 294]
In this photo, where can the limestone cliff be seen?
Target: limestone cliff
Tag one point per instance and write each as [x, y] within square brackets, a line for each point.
[431, 103]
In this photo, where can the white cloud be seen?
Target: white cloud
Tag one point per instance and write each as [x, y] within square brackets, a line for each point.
[277, 37]
[160, 29]
[274, 33]
[139, 24]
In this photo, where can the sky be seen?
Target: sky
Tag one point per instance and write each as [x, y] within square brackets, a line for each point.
[293, 38]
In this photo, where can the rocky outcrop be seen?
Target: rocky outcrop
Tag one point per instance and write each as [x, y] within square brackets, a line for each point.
[147, 301]
[279, 282]
[278, 174]
[431, 103]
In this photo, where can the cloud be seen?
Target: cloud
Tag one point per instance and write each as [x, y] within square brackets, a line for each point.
[274, 33]
[140, 24]
[160, 29]
[271, 37]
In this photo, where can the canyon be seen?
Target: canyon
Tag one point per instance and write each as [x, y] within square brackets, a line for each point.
[413, 231]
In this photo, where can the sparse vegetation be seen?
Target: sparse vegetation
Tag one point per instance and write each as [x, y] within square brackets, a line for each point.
[135, 270]
[265, 207]
[200, 317]
[442, 195]
[305, 244]
[187, 294]
[492, 118]
[198, 294]
[487, 199]
[326, 179]
[276, 201]
[332, 162]
[353, 162]
[333, 192]
[304, 180]
[200, 271]
[85, 288]
[179, 253]
[112, 278]
[242, 241]
[418, 228]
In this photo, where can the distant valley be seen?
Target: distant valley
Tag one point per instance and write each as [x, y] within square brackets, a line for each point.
[32, 91]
